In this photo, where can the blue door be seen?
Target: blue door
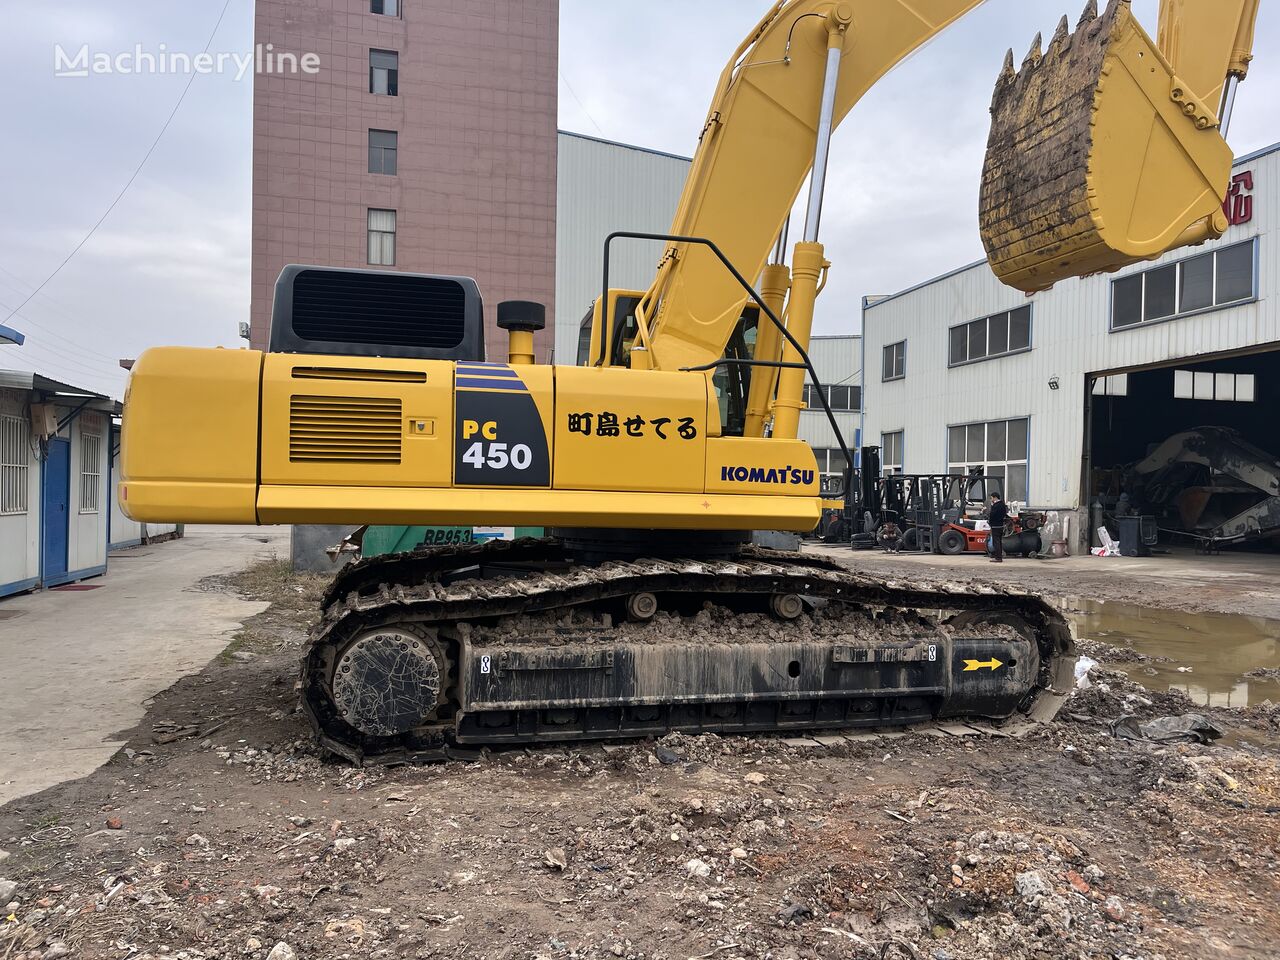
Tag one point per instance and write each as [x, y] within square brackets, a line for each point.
[56, 511]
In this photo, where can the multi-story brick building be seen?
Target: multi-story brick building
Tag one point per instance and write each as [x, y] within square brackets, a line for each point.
[425, 142]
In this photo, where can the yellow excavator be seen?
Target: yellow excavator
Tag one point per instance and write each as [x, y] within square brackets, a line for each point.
[647, 610]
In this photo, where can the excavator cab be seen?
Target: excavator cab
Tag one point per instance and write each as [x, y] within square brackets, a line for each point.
[1099, 155]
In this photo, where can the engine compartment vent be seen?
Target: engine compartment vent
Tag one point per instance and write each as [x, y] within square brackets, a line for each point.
[344, 429]
[341, 312]
[359, 373]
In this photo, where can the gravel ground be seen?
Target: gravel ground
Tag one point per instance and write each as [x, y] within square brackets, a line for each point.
[219, 832]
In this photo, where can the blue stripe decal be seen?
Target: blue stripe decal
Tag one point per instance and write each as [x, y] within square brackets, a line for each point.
[491, 384]
[486, 372]
[483, 363]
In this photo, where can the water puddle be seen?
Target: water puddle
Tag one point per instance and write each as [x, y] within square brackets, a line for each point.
[1214, 650]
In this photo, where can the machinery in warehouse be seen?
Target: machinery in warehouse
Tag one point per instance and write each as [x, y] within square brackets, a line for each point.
[646, 611]
[1210, 484]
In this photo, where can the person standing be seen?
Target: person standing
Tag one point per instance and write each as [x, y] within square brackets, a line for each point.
[997, 516]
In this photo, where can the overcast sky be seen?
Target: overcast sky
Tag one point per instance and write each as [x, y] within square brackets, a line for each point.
[170, 264]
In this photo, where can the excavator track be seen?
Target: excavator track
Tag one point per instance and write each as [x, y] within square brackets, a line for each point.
[437, 653]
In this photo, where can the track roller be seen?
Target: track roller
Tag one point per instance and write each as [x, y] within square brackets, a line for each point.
[641, 607]
[786, 606]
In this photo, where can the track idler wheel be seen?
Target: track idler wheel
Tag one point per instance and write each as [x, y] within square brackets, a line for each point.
[641, 607]
[386, 682]
[786, 606]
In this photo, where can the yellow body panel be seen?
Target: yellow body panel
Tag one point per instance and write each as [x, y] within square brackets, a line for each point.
[363, 420]
[619, 429]
[189, 442]
[365, 440]
[569, 508]
[784, 468]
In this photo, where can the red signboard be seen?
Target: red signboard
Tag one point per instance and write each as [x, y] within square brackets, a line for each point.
[1239, 203]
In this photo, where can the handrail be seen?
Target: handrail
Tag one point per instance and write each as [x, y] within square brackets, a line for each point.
[751, 291]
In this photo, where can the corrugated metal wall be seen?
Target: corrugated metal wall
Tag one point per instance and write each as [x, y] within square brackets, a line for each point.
[838, 362]
[1071, 338]
[603, 187]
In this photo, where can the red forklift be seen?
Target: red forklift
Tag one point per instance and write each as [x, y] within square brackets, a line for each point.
[962, 527]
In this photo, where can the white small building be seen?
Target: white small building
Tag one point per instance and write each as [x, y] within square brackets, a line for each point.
[55, 494]
[1059, 391]
[59, 458]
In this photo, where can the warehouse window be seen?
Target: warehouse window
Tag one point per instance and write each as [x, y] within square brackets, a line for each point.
[383, 147]
[1213, 279]
[1206, 385]
[382, 238]
[840, 397]
[995, 336]
[831, 461]
[90, 471]
[15, 457]
[385, 8]
[895, 361]
[1113, 386]
[384, 72]
[996, 449]
[891, 453]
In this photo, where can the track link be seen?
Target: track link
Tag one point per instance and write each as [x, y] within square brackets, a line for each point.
[532, 648]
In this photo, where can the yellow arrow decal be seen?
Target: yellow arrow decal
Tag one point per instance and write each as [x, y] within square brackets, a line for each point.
[991, 664]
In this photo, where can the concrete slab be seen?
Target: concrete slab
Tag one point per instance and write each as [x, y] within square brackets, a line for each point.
[77, 666]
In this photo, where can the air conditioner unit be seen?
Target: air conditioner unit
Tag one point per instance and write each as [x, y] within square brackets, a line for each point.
[44, 420]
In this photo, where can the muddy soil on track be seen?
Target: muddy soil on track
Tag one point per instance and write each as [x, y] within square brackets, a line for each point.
[219, 832]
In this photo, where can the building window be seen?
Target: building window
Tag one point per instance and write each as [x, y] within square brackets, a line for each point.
[382, 238]
[995, 336]
[895, 361]
[1206, 385]
[1213, 279]
[15, 459]
[384, 72]
[385, 8]
[1113, 386]
[831, 461]
[841, 398]
[995, 449]
[383, 146]
[90, 471]
[891, 453]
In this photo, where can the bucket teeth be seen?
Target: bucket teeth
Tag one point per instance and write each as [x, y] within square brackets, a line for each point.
[1034, 55]
[1059, 35]
[1007, 72]
[1089, 15]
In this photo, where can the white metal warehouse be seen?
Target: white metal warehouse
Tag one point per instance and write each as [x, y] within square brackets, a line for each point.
[1055, 390]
